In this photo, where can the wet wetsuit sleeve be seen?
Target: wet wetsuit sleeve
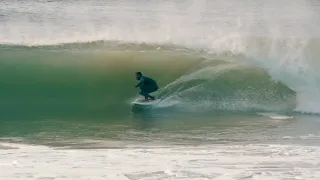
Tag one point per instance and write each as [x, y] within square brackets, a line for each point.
[141, 82]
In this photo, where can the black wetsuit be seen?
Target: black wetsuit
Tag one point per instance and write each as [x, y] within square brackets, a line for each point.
[147, 85]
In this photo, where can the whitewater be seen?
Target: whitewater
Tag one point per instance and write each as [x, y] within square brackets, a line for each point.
[239, 82]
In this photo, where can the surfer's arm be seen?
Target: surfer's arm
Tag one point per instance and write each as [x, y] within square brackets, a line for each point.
[140, 83]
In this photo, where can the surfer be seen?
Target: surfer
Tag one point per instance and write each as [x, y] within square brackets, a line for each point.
[147, 85]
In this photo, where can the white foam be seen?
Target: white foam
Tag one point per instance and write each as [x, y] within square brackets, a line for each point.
[165, 162]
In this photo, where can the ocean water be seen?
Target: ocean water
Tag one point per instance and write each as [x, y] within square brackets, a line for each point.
[239, 82]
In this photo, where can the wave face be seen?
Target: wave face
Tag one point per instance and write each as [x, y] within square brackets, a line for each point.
[206, 55]
[74, 77]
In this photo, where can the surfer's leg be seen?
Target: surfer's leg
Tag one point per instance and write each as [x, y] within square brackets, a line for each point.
[151, 89]
[143, 93]
[146, 95]
[145, 90]
[151, 97]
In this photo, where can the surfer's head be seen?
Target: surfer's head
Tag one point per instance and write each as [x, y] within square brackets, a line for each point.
[138, 75]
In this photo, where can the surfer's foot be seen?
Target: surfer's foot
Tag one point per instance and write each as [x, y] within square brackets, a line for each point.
[152, 98]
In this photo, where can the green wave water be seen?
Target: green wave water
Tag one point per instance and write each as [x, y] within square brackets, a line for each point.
[80, 79]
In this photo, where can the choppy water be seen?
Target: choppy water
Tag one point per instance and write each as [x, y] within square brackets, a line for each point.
[239, 80]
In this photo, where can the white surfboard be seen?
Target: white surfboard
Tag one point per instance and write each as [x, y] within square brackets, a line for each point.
[141, 102]
[276, 116]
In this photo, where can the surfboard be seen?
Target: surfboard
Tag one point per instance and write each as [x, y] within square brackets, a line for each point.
[275, 116]
[141, 102]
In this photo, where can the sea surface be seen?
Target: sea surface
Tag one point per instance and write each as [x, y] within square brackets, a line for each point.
[239, 83]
